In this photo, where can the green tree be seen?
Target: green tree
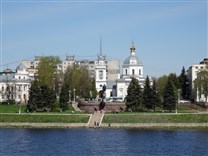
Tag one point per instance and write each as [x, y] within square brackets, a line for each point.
[134, 96]
[174, 79]
[40, 97]
[78, 78]
[93, 90]
[85, 83]
[64, 98]
[148, 95]
[48, 97]
[183, 84]
[161, 82]
[34, 96]
[47, 70]
[156, 98]
[169, 96]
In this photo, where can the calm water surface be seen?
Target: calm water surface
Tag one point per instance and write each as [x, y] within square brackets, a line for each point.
[77, 142]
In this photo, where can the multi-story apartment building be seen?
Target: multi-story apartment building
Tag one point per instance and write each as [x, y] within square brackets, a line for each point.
[192, 75]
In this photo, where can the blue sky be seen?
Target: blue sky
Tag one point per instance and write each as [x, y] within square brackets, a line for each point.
[168, 34]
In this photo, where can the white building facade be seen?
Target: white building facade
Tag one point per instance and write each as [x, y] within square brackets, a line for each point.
[132, 67]
[192, 75]
[14, 86]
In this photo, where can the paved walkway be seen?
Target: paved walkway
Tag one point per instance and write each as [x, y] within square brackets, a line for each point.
[96, 119]
[104, 125]
[42, 125]
[149, 125]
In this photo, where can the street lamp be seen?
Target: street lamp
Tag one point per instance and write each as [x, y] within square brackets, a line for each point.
[121, 89]
[69, 95]
[74, 94]
[20, 106]
[176, 111]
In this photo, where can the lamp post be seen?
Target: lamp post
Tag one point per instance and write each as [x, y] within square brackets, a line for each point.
[20, 106]
[176, 111]
[121, 89]
[69, 95]
[74, 94]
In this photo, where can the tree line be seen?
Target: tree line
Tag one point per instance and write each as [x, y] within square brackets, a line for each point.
[52, 89]
[165, 91]
[138, 98]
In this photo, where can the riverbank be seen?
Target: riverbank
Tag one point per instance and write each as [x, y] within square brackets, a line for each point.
[105, 125]
[155, 121]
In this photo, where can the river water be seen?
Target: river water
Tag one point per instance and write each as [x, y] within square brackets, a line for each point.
[96, 142]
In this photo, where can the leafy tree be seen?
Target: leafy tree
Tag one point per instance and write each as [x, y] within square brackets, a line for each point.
[183, 84]
[201, 83]
[156, 98]
[93, 89]
[169, 96]
[47, 70]
[85, 83]
[148, 95]
[174, 79]
[64, 98]
[78, 78]
[161, 82]
[134, 95]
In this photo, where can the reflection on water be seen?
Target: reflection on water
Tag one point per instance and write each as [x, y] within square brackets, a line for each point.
[103, 142]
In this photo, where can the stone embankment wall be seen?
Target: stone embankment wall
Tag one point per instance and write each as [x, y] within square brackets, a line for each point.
[109, 106]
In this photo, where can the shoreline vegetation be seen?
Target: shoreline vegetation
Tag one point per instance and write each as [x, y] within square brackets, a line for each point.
[185, 119]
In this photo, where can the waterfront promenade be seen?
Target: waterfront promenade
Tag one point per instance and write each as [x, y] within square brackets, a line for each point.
[98, 118]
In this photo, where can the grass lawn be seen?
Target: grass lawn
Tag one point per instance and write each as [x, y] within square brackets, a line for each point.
[155, 118]
[12, 108]
[44, 118]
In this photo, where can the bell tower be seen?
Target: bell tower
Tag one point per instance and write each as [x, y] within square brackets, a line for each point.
[100, 69]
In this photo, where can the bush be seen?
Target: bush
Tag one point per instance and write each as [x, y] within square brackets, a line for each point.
[201, 104]
[9, 101]
[55, 107]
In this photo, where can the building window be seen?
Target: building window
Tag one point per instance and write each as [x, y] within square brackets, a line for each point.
[139, 71]
[101, 74]
[132, 71]
[19, 77]
[2, 88]
[126, 71]
[8, 88]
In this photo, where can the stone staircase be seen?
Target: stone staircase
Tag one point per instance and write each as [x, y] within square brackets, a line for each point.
[96, 119]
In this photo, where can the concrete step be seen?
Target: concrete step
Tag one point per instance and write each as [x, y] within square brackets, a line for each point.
[96, 119]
